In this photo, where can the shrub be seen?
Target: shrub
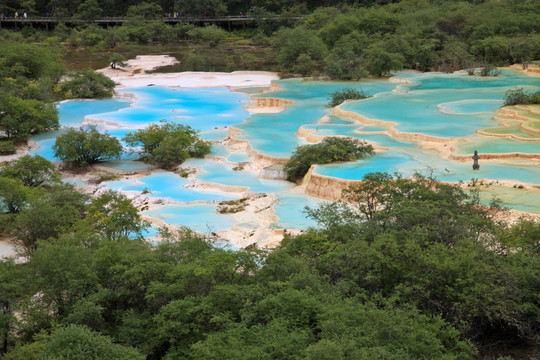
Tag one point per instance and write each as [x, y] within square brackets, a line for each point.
[534, 98]
[20, 118]
[31, 170]
[520, 97]
[117, 59]
[332, 149]
[348, 93]
[210, 34]
[88, 84]
[167, 145]
[7, 148]
[86, 146]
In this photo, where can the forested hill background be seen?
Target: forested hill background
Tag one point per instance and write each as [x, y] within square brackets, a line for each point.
[332, 39]
[119, 8]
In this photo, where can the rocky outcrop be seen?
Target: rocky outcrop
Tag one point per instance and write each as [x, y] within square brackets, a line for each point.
[327, 187]
[273, 172]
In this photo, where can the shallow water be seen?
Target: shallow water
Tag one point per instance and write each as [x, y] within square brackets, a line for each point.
[443, 105]
[275, 134]
[423, 161]
[224, 174]
[199, 217]
[187, 106]
[290, 209]
[167, 185]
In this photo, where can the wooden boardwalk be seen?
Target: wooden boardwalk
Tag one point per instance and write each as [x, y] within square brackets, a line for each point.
[120, 20]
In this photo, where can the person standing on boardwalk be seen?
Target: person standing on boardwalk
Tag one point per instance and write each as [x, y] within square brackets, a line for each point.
[16, 15]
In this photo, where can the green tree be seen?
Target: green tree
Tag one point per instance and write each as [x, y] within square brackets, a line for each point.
[89, 10]
[345, 61]
[117, 59]
[86, 146]
[331, 149]
[31, 171]
[212, 35]
[293, 43]
[20, 118]
[13, 195]
[29, 61]
[75, 342]
[381, 62]
[47, 215]
[145, 10]
[338, 27]
[114, 217]
[9, 290]
[347, 93]
[87, 84]
[455, 56]
[520, 97]
[167, 145]
[492, 49]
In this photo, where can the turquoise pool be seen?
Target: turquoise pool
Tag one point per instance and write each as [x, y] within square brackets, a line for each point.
[442, 105]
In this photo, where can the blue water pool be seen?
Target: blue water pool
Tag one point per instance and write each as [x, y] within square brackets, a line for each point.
[164, 184]
[199, 217]
[435, 104]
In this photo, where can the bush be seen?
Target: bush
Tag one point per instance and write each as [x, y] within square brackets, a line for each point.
[20, 118]
[117, 59]
[31, 170]
[75, 342]
[86, 146]
[209, 34]
[167, 145]
[534, 98]
[520, 97]
[88, 84]
[332, 149]
[7, 148]
[339, 96]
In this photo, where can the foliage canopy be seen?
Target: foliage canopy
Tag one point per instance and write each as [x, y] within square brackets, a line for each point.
[86, 146]
[167, 144]
[331, 149]
[87, 84]
[348, 93]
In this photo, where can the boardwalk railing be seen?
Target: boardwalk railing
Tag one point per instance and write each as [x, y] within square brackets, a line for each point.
[119, 20]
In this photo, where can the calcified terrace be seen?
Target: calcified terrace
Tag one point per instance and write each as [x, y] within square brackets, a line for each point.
[417, 123]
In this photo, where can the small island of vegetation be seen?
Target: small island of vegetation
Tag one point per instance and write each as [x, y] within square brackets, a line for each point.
[167, 145]
[348, 93]
[329, 150]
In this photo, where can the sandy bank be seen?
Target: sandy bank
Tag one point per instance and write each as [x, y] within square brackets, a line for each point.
[533, 70]
[134, 75]
[20, 152]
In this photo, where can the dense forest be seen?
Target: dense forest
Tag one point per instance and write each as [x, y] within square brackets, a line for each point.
[405, 269]
[402, 269]
[345, 41]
